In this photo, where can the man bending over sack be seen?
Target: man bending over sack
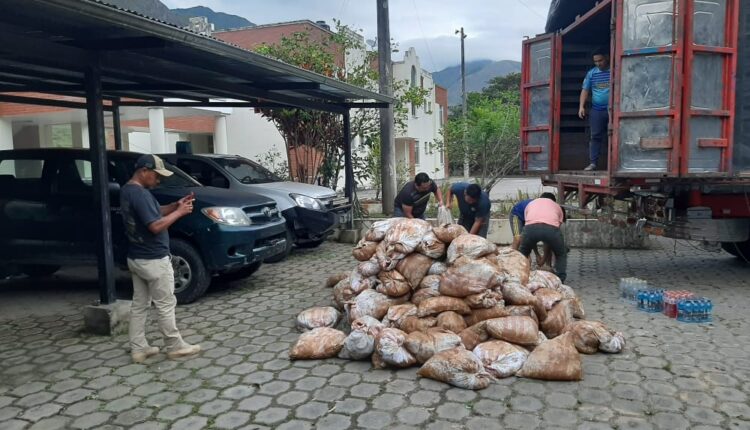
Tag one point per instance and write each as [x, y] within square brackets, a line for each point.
[411, 201]
[474, 206]
[543, 219]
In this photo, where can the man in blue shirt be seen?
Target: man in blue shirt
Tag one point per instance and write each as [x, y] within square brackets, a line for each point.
[517, 220]
[597, 84]
[474, 206]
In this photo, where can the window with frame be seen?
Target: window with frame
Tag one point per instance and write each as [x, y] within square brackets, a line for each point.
[416, 152]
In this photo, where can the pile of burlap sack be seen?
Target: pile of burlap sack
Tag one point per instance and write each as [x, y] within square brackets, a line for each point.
[454, 303]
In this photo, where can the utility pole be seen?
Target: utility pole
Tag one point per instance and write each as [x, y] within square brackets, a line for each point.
[463, 104]
[387, 142]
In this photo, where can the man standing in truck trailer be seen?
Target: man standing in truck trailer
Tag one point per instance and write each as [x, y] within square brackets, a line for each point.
[596, 83]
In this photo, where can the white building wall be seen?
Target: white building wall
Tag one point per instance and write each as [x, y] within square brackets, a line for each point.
[251, 136]
[424, 125]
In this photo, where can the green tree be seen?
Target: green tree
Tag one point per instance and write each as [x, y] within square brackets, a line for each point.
[500, 85]
[314, 138]
[492, 136]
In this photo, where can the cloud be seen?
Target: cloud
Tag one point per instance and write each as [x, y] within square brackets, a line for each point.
[495, 28]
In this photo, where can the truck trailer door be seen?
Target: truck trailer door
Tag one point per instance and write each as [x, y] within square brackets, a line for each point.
[647, 95]
[708, 104]
[537, 103]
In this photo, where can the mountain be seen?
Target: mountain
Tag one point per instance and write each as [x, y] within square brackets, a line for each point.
[478, 73]
[157, 9]
[152, 9]
[220, 20]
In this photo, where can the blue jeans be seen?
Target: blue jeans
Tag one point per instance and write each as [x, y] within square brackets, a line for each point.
[599, 121]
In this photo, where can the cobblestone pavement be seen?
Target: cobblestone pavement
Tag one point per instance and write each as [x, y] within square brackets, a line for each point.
[671, 376]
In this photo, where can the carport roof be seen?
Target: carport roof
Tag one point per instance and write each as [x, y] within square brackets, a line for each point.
[48, 44]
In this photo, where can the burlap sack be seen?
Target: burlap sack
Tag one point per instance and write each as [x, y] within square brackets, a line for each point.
[332, 280]
[343, 293]
[431, 282]
[554, 360]
[369, 268]
[451, 321]
[547, 297]
[513, 263]
[516, 294]
[591, 336]
[397, 314]
[557, 318]
[447, 232]
[457, 367]
[411, 324]
[423, 294]
[518, 330]
[471, 246]
[436, 305]
[389, 345]
[392, 284]
[364, 250]
[543, 279]
[478, 315]
[376, 233]
[474, 335]
[431, 246]
[405, 235]
[501, 359]
[319, 316]
[414, 267]
[424, 344]
[484, 300]
[469, 279]
[360, 283]
[371, 303]
[318, 343]
[360, 343]
[437, 268]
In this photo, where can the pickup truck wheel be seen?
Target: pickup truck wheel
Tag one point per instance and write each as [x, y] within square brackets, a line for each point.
[740, 250]
[242, 273]
[191, 279]
[39, 270]
[289, 245]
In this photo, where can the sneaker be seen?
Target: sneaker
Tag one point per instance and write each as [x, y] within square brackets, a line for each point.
[141, 356]
[184, 351]
[590, 167]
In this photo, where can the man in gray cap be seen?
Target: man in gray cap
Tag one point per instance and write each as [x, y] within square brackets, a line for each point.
[149, 260]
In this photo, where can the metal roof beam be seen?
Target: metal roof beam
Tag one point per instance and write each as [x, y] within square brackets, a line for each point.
[46, 102]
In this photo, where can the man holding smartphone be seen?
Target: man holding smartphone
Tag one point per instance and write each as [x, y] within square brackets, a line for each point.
[149, 260]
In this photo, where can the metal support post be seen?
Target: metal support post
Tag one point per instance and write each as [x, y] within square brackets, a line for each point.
[100, 180]
[116, 124]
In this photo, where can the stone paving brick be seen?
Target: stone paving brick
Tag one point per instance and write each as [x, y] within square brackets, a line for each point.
[671, 375]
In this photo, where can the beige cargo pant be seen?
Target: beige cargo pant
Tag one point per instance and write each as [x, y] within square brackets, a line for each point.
[153, 281]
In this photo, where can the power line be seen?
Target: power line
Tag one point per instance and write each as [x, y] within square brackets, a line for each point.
[421, 30]
[523, 3]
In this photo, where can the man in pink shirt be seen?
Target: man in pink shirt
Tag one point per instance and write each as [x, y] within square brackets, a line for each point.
[543, 219]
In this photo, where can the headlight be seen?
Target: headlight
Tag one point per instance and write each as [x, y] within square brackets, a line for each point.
[227, 216]
[307, 202]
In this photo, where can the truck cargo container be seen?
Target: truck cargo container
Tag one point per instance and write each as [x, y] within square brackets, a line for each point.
[677, 161]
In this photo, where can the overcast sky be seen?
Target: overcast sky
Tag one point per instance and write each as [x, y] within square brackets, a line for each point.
[495, 28]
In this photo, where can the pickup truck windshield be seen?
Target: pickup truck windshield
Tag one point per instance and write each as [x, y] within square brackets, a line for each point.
[246, 171]
[123, 168]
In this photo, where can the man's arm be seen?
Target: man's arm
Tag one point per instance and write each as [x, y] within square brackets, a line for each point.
[184, 207]
[168, 209]
[439, 195]
[449, 198]
[582, 103]
[408, 211]
[478, 223]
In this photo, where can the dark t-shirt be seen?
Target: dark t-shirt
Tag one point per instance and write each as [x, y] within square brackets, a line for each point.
[409, 196]
[469, 213]
[139, 209]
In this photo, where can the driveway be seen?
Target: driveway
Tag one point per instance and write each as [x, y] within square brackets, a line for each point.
[672, 375]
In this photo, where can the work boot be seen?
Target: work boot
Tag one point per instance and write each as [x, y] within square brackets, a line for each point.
[142, 355]
[184, 351]
[590, 167]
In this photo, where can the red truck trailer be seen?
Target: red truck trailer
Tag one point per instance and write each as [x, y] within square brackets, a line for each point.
[678, 153]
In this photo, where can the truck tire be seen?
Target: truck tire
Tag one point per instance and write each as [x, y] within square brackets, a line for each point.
[39, 270]
[240, 274]
[288, 250]
[191, 279]
[740, 250]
